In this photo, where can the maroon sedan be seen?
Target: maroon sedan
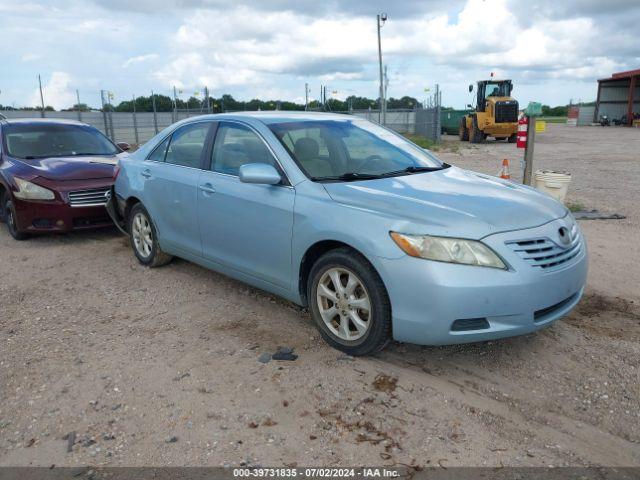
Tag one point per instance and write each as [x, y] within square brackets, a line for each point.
[54, 176]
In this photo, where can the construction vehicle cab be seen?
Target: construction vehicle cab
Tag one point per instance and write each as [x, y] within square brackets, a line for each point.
[495, 115]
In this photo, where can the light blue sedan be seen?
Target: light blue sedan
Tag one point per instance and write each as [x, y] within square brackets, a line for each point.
[375, 235]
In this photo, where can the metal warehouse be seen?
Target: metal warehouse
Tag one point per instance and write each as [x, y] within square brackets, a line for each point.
[619, 97]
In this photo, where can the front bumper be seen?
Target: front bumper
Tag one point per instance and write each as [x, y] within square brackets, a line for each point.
[43, 217]
[59, 215]
[431, 300]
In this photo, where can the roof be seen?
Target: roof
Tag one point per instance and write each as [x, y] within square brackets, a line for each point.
[277, 116]
[54, 121]
[621, 75]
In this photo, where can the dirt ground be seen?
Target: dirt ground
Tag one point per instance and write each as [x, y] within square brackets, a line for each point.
[160, 367]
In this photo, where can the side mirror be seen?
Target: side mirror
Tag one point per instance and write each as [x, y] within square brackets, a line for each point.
[124, 146]
[470, 88]
[261, 173]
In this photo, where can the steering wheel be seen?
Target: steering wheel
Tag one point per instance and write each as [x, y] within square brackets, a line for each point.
[370, 158]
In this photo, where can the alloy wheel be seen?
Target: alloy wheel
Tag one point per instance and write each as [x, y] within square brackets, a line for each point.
[344, 303]
[142, 235]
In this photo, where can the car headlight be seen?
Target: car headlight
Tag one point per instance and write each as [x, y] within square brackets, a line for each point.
[31, 191]
[445, 249]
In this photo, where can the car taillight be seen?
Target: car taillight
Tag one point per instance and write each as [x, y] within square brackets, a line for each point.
[116, 171]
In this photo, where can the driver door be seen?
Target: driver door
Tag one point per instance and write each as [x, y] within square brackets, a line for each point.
[247, 227]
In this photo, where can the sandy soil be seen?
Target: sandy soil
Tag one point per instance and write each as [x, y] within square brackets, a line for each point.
[160, 367]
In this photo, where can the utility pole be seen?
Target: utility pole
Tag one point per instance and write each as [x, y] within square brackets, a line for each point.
[386, 86]
[78, 105]
[381, 18]
[324, 93]
[41, 97]
[306, 97]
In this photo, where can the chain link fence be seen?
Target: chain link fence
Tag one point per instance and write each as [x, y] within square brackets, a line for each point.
[137, 128]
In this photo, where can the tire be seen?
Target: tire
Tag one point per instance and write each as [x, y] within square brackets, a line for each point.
[144, 238]
[512, 138]
[374, 316]
[9, 213]
[463, 132]
[476, 135]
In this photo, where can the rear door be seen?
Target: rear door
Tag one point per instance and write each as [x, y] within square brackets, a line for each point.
[171, 186]
[245, 226]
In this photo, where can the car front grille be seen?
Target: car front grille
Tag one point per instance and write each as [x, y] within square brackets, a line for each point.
[506, 111]
[88, 198]
[546, 254]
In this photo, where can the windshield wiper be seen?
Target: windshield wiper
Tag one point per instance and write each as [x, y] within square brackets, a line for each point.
[348, 177]
[417, 169]
[89, 154]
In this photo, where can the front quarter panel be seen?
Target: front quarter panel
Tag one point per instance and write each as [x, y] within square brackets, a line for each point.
[319, 218]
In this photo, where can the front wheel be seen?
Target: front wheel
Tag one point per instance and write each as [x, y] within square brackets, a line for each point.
[144, 238]
[476, 135]
[349, 303]
[9, 212]
[463, 132]
[512, 138]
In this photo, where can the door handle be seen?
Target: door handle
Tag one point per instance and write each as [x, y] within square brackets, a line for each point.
[207, 188]
[146, 173]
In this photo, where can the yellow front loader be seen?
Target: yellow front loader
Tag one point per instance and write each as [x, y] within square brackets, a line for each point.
[495, 115]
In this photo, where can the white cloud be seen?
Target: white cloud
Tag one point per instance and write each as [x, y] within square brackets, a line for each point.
[57, 92]
[139, 59]
[250, 46]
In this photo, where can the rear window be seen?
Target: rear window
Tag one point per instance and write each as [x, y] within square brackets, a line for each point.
[49, 140]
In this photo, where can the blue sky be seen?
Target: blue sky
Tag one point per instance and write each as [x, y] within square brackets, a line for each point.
[554, 51]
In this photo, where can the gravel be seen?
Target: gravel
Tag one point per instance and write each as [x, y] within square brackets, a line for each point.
[95, 344]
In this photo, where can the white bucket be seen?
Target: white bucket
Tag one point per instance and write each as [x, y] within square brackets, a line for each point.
[552, 183]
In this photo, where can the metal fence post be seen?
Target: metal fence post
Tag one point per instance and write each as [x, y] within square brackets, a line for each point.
[110, 117]
[41, 97]
[78, 105]
[155, 113]
[135, 122]
[104, 114]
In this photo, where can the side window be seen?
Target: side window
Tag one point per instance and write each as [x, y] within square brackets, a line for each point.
[187, 144]
[235, 146]
[158, 153]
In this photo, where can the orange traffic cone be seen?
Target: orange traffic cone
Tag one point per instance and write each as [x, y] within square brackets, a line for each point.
[504, 173]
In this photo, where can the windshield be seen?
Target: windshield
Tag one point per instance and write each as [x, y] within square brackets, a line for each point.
[498, 89]
[351, 149]
[50, 140]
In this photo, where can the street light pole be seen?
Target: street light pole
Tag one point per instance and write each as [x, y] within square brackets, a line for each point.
[381, 18]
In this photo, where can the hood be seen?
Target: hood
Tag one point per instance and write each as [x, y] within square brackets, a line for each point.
[451, 202]
[73, 168]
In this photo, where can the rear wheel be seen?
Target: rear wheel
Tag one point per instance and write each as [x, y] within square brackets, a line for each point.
[144, 238]
[349, 303]
[476, 135]
[9, 213]
[463, 132]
